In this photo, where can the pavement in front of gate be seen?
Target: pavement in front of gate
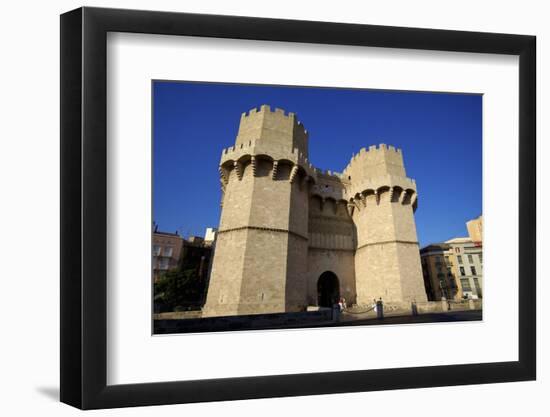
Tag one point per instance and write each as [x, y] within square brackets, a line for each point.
[450, 316]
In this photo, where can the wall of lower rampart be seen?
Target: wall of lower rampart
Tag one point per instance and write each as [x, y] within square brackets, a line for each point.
[223, 296]
[412, 281]
[378, 274]
[264, 285]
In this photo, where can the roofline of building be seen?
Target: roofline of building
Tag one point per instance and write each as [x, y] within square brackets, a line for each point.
[176, 234]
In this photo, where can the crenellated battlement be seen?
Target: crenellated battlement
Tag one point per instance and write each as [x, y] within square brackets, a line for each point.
[275, 126]
[376, 161]
[255, 146]
[370, 171]
[265, 108]
[382, 147]
[358, 187]
[374, 153]
[259, 149]
[331, 174]
[266, 150]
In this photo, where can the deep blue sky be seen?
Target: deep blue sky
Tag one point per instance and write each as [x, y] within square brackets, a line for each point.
[440, 135]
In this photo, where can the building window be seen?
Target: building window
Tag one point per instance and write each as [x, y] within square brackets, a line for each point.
[168, 250]
[459, 259]
[462, 272]
[465, 283]
[473, 268]
[470, 259]
[156, 250]
[480, 258]
[163, 263]
[457, 250]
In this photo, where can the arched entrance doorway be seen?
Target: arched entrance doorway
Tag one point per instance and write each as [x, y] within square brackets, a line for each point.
[328, 289]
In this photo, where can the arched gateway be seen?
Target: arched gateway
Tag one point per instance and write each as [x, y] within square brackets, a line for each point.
[328, 289]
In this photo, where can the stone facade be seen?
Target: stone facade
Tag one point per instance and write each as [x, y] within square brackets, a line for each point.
[289, 232]
[438, 266]
[170, 249]
[167, 251]
[467, 267]
[475, 229]
[453, 270]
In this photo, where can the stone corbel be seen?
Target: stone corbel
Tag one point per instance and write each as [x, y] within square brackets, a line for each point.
[415, 202]
[223, 176]
[274, 171]
[293, 173]
[253, 164]
[238, 170]
[403, 196]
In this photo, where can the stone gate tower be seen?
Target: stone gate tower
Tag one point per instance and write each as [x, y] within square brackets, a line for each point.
[259, 264]
[387, 261]
[291, 235]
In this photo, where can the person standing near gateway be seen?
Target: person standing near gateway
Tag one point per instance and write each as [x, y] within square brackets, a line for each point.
[342, 304]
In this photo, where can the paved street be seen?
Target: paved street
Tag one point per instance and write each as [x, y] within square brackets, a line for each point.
[287, 321]
[471, 315]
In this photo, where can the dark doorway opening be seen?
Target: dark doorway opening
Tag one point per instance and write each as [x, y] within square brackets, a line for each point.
[328, 289]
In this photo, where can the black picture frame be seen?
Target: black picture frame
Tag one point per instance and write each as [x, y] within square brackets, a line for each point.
[84, 207]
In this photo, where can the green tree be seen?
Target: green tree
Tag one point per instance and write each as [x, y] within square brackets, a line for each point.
[180, 288]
